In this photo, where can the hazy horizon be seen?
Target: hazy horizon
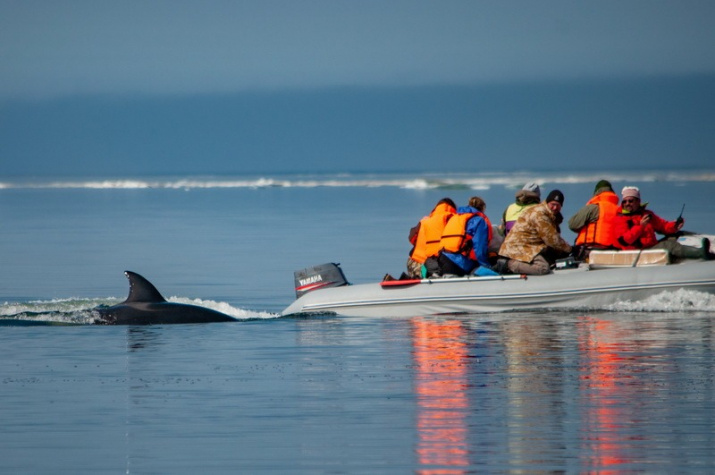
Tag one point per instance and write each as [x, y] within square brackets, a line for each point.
[222, 87]
[653, 123]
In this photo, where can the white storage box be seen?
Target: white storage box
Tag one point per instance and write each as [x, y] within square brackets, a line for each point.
[642, 258]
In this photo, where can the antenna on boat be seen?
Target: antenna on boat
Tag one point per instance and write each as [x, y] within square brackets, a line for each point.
[680, 217]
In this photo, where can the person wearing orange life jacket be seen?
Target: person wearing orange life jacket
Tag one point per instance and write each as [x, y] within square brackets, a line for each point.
[465, 241]
[426, 235]
[528, 196]
[595, 223]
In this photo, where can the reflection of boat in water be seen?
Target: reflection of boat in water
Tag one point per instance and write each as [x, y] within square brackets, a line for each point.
[440, 352]
[620, 277]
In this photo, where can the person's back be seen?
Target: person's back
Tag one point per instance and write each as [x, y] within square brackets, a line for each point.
[426, 235]
[465, 241]
[595, 223]
[525, 198]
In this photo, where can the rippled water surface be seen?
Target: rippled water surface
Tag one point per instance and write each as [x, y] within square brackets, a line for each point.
[627, 388]
[535, 392]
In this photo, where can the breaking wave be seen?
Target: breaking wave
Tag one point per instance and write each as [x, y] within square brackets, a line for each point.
[466, 181]
[78, 311]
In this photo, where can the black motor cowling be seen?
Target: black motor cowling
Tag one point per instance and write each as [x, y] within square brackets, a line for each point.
[318, 277]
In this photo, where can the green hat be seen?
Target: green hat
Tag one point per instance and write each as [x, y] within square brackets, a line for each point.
[603, 184]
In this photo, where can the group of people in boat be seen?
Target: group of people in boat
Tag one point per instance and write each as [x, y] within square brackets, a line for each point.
[460, 241]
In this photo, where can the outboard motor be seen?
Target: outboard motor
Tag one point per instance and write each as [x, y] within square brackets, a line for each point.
[318, 277]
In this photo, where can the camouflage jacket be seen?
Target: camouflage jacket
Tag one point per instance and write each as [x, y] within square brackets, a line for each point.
[534, 231]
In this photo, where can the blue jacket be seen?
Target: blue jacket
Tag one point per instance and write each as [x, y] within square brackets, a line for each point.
[477, 228]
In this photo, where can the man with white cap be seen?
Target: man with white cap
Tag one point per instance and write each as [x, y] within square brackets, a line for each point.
[636, 228]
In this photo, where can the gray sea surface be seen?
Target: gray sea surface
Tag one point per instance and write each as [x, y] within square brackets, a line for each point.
[627, 388]
[544, 392]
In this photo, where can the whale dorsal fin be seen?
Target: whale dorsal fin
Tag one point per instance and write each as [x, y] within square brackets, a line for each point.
[141, 290]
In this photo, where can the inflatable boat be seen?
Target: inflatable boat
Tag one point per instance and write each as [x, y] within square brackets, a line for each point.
[608, 277]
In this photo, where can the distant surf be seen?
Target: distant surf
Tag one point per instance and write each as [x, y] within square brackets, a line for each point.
[461, 181]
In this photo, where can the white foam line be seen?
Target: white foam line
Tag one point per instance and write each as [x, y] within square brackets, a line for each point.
[419, 182]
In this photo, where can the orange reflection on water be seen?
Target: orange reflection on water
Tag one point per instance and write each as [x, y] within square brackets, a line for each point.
[440, 355]
[601, 347]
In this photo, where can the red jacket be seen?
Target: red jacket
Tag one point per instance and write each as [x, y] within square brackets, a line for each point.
[630, 234]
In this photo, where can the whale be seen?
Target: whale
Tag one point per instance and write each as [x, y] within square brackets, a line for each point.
[146, 306]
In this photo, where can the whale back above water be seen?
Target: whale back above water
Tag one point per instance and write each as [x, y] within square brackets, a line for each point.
[146, 306]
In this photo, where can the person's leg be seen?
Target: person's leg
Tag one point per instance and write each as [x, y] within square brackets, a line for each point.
[446, 266]
[501, 266]
[432, 267]
[414, 268]
[538, 266]
[679, 251]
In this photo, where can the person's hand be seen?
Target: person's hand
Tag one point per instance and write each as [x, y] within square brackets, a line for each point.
[679, 223]
[645, 219]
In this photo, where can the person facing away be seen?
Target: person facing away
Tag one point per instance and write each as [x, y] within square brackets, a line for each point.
[528, 196]
[464, 243]
[534, 242]
[426, 235]
[636, 228]
[594, 224]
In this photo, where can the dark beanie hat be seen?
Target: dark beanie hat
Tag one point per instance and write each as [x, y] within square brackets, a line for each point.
[555, 195]
[603, 184]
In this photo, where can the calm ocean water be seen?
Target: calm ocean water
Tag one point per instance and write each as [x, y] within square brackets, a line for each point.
[628, 388]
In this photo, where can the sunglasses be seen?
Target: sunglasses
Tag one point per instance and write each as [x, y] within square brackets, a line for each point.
[630, 200]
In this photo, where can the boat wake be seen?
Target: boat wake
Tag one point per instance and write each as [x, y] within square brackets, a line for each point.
[78, 311]
[676, 301]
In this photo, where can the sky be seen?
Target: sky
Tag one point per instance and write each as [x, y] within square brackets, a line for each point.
[131, 87]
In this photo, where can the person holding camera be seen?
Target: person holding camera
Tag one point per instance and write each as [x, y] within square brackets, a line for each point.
[636, 228]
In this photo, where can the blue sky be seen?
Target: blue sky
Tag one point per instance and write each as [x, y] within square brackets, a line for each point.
[132, 87]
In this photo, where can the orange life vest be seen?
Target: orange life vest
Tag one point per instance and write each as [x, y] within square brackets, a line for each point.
[601, 233]
[455, 237]
[430, 233]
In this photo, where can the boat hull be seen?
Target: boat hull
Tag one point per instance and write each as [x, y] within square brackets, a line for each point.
[579, 288]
